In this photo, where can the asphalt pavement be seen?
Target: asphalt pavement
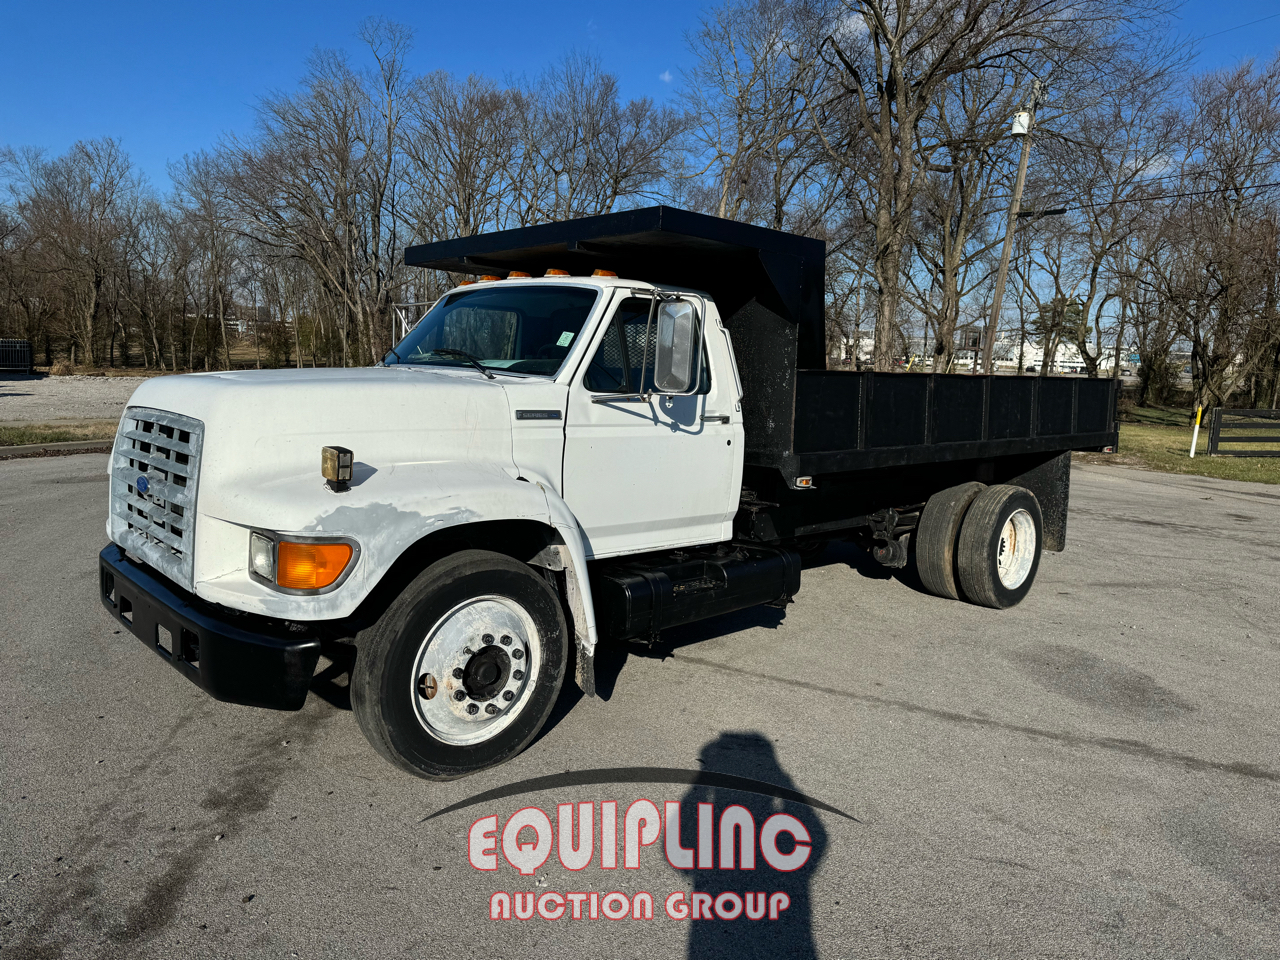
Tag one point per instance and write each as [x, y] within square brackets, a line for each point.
[1095, 773]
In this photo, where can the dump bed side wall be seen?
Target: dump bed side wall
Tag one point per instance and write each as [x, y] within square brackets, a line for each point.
[846, 421]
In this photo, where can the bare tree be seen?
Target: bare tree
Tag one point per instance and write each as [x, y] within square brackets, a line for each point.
[592, 150]
[746, 94]
[887, 64]
[78, 208]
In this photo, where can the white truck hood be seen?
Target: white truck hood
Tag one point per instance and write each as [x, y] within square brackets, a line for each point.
[264, 429]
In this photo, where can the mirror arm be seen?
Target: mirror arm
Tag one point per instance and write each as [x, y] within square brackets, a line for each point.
[622, 398]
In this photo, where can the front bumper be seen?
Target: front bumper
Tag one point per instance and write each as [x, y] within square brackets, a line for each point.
[239, 659]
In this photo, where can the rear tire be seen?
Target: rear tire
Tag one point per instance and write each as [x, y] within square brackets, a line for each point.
[998, 552]
[486, 638]
[936, 537]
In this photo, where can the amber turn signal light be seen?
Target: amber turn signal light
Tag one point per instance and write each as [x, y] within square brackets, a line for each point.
[310, 566]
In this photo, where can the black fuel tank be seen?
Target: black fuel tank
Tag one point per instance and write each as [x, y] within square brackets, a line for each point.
[637, 597]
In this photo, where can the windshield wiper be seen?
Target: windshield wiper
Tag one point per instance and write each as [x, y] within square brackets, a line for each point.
[452, 352]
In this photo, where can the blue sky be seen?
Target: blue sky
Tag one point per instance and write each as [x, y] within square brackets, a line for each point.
[170, 78]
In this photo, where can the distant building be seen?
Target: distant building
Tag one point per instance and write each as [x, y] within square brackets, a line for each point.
[1005, 355]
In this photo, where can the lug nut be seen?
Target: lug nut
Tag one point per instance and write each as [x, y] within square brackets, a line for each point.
[505, 641]
[487, 638]
[457, 673]
[491, 710]
[460, 695]
[427, 686]
[517, 653]
[472, 709]
[508, 696]
[518, 674]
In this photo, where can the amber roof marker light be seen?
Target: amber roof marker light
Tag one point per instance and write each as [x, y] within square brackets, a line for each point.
[604, 273]
[553, 272]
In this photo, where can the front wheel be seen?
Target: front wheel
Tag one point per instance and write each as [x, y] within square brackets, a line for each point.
[998, 552]
[463, 669]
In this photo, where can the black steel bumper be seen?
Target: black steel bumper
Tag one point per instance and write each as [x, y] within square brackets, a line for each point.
[251, 661]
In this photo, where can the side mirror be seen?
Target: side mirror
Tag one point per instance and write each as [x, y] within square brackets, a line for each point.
[677, 354]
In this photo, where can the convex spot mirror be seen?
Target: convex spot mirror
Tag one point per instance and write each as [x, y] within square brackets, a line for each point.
[677, 353]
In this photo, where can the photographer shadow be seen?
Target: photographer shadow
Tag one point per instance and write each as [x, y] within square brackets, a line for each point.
[750, 754]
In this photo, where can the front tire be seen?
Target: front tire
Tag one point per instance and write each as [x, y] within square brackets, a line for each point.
[463, 669]
[998, 553]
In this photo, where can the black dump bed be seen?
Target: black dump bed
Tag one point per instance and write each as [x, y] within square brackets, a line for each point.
[799, 417]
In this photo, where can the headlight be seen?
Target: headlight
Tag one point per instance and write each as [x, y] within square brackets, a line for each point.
[262, 559]
[299, 564]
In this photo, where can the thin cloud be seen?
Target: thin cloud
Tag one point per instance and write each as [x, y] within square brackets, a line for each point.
[665, 76]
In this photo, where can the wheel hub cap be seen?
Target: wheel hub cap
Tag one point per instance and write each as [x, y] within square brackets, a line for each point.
[1017, 549]
[484, 655]
[486, 674]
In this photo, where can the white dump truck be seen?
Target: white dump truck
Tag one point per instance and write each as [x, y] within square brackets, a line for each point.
[624, 425]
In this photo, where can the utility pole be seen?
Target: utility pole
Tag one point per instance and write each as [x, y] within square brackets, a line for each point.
[1023, 121]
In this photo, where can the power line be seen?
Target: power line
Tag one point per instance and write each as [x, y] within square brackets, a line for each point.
[1163, 196]
[1174, 176]
[1241, 26]
[1169, 196]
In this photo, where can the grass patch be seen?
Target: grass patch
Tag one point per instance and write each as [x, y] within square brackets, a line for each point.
[12, 435]
[1165, 448]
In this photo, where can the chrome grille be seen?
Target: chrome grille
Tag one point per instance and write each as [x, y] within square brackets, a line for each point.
[158, 525]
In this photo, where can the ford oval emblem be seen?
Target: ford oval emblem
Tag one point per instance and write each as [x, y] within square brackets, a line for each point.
[142, 485]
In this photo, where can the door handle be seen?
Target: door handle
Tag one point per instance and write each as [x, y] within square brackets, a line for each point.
[712, 418]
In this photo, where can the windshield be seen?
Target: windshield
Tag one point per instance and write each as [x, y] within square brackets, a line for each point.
[518, 329]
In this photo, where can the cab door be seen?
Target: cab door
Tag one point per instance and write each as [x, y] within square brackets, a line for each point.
[644, 474]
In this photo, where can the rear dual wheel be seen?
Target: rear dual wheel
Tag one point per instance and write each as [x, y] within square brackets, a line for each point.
[981, 544]
[936, 538]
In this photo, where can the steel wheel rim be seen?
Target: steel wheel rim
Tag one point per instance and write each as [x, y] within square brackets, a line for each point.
[1016, 550]
[457, 645]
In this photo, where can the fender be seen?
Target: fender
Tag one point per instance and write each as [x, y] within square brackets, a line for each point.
[386, 512]
[571, 556]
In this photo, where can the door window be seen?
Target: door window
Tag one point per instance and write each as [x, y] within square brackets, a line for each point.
[625, 349]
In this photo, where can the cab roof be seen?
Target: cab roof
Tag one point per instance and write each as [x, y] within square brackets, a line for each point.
[735, 263]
